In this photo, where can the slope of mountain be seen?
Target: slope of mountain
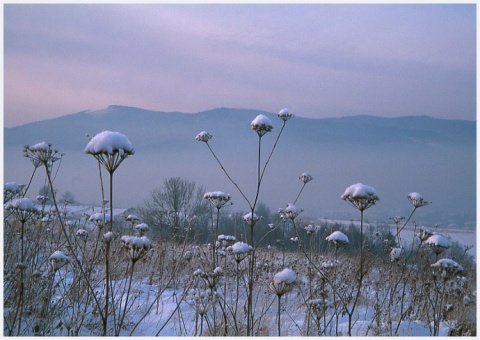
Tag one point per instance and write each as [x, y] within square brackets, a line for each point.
[395, 155]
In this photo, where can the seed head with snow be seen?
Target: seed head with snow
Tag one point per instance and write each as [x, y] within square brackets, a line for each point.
[283, 282]
[361, 196]
[261, 125]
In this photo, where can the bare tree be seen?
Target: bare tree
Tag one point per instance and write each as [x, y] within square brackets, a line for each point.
[173, 206]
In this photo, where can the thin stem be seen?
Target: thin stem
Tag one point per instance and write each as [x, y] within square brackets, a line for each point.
[120, 323]
[64, 230]
[278, 315]
[296, 199]
[228, 176]
[29, 182]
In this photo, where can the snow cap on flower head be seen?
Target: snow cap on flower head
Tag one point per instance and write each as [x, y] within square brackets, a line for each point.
[251, 219]
[417, 200]
[23, 204]
[283, 282]
[203, 136]
[109, 142]
[261, 125]
[217, 198]
[338, 239]
[360, 196]
[285, 115]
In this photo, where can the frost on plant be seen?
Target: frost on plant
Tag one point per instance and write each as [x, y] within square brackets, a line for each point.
[360, 196]
[261, 125]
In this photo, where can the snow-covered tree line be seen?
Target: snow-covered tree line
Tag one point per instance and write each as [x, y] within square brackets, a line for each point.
[182, 268]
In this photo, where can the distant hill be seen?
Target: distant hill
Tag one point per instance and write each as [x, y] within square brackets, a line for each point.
[394, 155]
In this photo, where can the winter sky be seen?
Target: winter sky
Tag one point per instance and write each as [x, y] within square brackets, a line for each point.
[319, 60]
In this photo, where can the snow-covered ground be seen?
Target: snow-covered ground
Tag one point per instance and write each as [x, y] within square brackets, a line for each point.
[464, 237]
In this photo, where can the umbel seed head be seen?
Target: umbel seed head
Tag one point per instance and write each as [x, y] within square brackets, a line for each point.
[261, 125]
[360, 196]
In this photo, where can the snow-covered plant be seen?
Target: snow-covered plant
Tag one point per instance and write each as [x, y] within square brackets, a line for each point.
[240, 251]
[305, 178]
[424, 233]
[395, 254]
[187, 255]
[226, 240]
[58, 259]
[290, 212]
[251, 219]
[437, 243]
[110, 149]
[142, 228]
[417, 199]
[136, 247]
[83, 234]
[108, 237]
[360, 196]
[338, 239]
[310, 229]
[42, 154]
[133, 218]
[204, 137]
[319, 307]
[99, 219]
[22, 209]
[217, 198]
[285, 115]
[261, 125]
[282, 283]
[447, 268]
[11, 190]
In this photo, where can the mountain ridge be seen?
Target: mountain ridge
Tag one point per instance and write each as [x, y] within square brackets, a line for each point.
[394, 155]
